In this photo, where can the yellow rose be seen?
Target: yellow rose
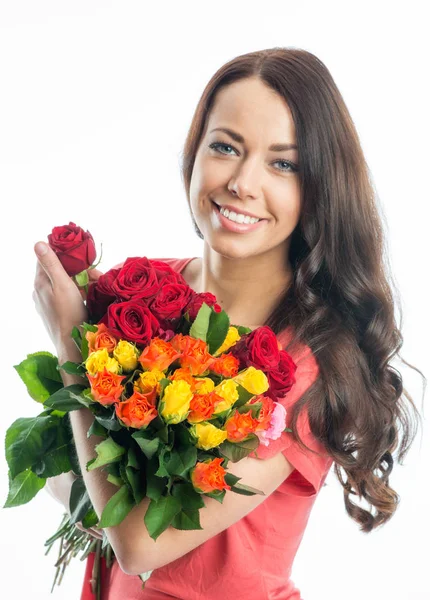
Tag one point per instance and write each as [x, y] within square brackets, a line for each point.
[227, 389]
[177, 397]
[204, 385]
[100, 359]
[253, 380]
[127, 355]
[231, 338]
[208, 436]
[148, 380]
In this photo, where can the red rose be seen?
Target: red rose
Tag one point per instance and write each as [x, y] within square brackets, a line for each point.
[100, 295]
[258, 349]
[132, 321]
[165, 273]
[136, 279]
[74, 247]
[197, 300]
[170, 302]
[282, 378]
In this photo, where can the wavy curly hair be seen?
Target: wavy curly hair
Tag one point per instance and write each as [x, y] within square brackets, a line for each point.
[339, 302]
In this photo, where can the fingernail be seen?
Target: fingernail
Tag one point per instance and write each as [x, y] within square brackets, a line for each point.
[41, 248]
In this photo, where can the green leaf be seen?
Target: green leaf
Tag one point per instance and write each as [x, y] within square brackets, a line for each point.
[287, 430]
[108, 451]
[23, 488]
[90, 519]
[39, 373]
[187, 519]
[183, 437]
[82, 278]
[160, 514]
[26, 441]
[148, 446]
[238, 450]
[242, 330]
[246, 490]
[115, 480]
[77, 337]
[72, 368]
[219, 324]
[56, 458]
[137, 483]
[244, 396]
[200, 326]
[217, 495]
[187, 495]
[117, 508]
[154, 485]
[79, 502]
[68, 398]
[162, 471]
[132, 459]
[229, 478]
[112, 469]
[106, 416]
[254, 408]
[97, 429]
[181, 462]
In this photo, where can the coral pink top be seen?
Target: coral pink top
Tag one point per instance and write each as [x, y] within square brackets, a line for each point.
[253, 558]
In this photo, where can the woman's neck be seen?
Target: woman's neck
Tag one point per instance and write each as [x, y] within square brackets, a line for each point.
[247, 289]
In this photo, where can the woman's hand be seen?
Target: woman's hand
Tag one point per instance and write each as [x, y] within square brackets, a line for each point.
[60, 487]
[58, 300]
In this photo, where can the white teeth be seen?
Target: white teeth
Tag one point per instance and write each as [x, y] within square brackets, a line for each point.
[238, 218]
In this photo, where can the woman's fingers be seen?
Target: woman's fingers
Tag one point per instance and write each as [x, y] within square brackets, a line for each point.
[94, 274]
[91, 530]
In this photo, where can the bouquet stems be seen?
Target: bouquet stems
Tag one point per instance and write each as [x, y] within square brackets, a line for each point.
[72, 542]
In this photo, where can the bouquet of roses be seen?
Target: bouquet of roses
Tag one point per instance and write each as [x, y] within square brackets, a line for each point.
[176, 392]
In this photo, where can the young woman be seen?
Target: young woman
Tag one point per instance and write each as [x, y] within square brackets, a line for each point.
[279, 191]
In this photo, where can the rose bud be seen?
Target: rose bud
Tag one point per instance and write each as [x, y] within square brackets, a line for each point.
[74, 247]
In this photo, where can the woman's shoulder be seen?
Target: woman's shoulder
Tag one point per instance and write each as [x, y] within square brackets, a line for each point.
[175, 263]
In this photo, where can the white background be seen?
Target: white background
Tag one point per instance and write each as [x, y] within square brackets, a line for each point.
[95, 102]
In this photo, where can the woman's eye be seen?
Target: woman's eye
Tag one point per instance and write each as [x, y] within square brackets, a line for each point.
[288, 166]
[217, 145]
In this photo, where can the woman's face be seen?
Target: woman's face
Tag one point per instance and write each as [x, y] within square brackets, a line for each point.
[240, 170]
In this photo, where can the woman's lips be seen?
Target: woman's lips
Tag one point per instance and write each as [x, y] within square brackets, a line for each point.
[235, 227]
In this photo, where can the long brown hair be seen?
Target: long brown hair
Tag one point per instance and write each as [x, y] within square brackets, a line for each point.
[340, 302]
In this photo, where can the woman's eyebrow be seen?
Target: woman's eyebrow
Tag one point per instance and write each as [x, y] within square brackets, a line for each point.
[240, 139]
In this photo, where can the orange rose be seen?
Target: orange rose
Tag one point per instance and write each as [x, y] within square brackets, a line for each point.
[179, 342]
[240, 425]
[265, 411]
[208, 476]
[202, 406]
[196, 357]
[185, 375]
[138, 411]
[106, 386]
[158, 355]
[226, 365]
[102, 338]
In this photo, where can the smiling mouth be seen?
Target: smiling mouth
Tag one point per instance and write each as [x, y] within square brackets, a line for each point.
[218, 207]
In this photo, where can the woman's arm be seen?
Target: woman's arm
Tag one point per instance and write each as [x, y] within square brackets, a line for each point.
[59, 487]
[61, 307]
